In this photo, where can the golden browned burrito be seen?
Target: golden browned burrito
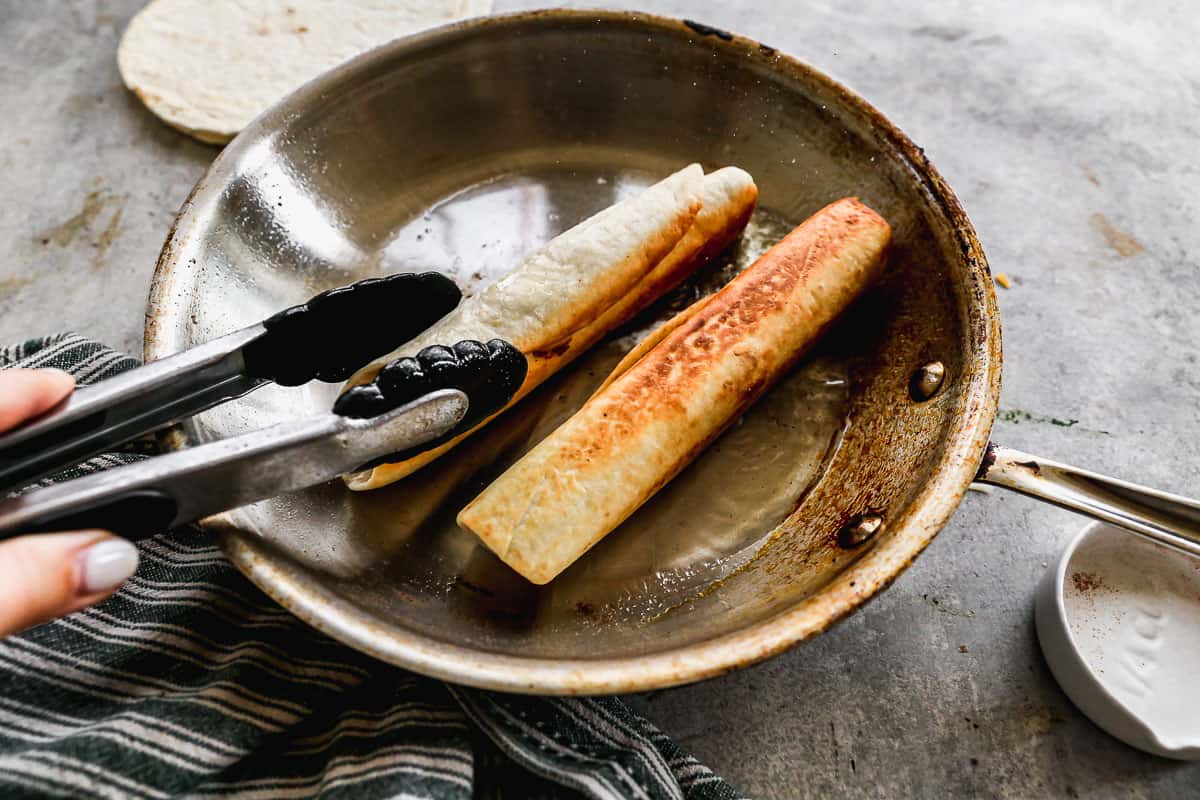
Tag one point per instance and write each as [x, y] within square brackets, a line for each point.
[677, 393]
[586, 282]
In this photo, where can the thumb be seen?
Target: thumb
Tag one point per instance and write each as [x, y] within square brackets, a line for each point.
[49, 575]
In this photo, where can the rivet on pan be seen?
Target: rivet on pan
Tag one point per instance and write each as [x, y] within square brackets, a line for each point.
[859, 530]
[927, 380]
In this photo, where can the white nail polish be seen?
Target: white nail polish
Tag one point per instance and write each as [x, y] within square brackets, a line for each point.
[106, 565]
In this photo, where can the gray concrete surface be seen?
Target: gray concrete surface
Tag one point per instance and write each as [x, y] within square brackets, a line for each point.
[1067, 128]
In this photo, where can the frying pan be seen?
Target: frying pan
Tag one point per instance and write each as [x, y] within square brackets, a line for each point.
[462, 149]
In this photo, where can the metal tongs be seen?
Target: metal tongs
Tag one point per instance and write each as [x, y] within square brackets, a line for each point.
[412, 404]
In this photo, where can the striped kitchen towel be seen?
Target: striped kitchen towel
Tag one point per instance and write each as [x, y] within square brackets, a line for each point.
[190, 682]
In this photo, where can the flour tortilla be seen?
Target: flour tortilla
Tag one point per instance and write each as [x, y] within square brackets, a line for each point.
[208, 67]
[634, 436]
[586, 282]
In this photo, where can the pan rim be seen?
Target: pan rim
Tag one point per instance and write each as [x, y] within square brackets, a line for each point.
[926, 514]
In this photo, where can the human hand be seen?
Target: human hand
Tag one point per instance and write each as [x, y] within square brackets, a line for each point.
[49, 575]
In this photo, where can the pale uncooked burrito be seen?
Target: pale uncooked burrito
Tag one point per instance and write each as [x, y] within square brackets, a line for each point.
[208, 67]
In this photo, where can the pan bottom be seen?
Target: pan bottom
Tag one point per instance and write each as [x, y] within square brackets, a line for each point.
[704, 525]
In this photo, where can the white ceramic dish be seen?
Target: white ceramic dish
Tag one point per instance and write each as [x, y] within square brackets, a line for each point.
[1118, 619]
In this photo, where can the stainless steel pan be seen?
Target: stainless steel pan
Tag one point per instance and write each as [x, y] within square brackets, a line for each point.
[464, 148]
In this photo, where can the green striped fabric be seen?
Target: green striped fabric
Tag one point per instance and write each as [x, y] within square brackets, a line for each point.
[190, 682]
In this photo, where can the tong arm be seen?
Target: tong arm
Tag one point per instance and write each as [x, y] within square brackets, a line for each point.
[100, 417]
[158, 493]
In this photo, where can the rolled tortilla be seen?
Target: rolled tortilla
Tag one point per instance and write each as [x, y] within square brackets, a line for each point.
[586, 282]
[636, 434]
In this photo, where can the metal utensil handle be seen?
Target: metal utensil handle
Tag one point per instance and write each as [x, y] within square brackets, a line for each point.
[1165, 518]
[162, 492]
[97, 418]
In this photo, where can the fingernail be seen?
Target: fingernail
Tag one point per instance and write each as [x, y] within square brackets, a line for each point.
[106, 565]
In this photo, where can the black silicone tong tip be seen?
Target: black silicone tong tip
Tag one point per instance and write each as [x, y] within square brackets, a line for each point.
[489, 374]
[338, 331]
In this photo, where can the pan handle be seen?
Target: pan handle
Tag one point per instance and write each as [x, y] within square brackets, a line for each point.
[1168, 519]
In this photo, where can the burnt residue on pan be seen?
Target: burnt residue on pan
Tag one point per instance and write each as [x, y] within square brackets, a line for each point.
[708, 30]
[989, 461]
